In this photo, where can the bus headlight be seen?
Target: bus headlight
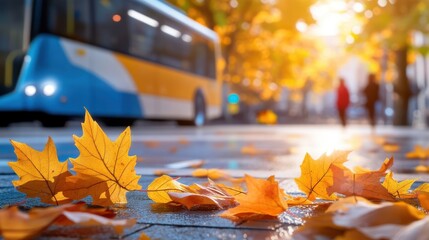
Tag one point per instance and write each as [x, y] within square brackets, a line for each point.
[30, 90]
[49, 89]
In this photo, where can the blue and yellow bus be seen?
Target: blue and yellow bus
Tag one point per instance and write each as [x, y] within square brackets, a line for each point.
[121, 59]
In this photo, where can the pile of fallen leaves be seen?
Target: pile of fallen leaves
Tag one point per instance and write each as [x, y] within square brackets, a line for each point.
[364, 204]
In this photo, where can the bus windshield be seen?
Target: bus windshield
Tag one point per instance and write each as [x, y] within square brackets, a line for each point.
[11, 40]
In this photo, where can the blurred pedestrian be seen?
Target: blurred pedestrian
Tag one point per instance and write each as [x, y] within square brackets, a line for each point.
[343, 100]
[371, 94]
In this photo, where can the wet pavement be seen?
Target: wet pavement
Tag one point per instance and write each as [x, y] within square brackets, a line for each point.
[260, 151]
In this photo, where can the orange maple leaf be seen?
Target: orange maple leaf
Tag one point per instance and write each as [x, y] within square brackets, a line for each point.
[316, 175]
[365, 183]
[263, 198]
[40, 173]
[104, 169]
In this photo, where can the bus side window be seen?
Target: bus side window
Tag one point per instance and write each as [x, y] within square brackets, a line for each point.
[200, 58]
[211, 61]
[173, 50]
[143, 31]
[110, 25]
[68, 18]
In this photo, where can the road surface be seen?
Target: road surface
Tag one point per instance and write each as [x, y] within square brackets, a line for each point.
[256, 150]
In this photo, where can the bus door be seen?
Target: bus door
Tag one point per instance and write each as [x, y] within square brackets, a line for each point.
[12, 42]
[59, 53]
[110, 40]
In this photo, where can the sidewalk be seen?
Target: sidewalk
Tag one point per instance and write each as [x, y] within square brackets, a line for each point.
[163, 222]
[159, 221]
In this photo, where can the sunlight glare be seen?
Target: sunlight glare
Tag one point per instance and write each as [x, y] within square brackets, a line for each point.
[329, 16]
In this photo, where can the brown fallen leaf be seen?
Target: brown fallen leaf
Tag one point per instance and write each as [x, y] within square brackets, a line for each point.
[317, 176]
[41, 174]
[204, 197]
[15, 224]
[264, 198]
[364, 183]
[88, 219]
[103, 169]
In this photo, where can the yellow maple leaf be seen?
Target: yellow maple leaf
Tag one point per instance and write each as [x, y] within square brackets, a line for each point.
[104, 169]
[263, 198]
[158, 189]
[422, 188]
[316, 175]
[397, 189]
[40, 173]
[418, 152]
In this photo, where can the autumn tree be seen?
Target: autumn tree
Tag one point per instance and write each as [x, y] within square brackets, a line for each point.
[256, 38]
[392, 23]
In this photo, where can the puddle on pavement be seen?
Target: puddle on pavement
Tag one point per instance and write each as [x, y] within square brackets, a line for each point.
[296, 215]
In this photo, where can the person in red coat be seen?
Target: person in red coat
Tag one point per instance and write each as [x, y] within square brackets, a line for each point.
[343, 100]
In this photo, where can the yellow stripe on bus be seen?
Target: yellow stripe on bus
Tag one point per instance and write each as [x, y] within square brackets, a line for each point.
[161, 81]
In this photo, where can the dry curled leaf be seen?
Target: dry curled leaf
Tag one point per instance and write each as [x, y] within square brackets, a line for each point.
[206, 197]
[104, 169]
[15, 224]
[41, 174]
[316, 175]
[354, 218]
[263, 198]
[159, 188]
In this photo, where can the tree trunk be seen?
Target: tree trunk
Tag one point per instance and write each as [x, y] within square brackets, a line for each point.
[402, 88]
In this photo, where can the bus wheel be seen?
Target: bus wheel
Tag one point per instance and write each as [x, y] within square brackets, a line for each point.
[4, 123]
[200, 111]
[53, 122]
